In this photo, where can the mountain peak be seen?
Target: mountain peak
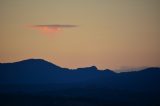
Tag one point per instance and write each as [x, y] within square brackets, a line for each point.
[34, 60]
[88, 68]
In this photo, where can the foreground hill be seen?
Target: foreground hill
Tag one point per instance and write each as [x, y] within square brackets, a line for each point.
[38, 82]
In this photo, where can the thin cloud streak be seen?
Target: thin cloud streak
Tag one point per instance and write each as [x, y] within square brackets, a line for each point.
[56, 25]
[52, 28]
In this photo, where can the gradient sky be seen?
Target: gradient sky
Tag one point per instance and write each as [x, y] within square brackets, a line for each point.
[112, 34]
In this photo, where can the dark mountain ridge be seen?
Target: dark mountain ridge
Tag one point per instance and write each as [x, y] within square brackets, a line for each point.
[42, 77]
[38, 71]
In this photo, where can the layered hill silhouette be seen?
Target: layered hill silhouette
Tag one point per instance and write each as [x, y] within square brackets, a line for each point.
[87, 85]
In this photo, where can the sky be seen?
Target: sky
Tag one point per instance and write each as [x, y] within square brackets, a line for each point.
[113, 34]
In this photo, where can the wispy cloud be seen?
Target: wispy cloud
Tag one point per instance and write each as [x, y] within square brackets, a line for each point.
[52, 28]
[56, 25]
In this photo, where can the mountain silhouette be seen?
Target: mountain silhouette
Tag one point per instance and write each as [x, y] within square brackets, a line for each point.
[106, 87]
[37, 71]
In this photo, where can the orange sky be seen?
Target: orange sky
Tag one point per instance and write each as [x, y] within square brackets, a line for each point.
[110, 34]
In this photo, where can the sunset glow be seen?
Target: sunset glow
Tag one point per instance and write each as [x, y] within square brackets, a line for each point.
[50, 29]
[114, 34]
[47, 30]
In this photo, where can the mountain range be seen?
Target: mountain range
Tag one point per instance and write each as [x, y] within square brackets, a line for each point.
[25, 82]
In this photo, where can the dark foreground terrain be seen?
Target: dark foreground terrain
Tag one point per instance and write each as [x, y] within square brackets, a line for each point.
[90, 98]
[40, 83]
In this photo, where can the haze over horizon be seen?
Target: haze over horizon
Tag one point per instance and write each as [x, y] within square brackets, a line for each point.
[112, 34]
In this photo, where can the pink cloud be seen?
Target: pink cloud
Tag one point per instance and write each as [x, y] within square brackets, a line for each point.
[51, 28]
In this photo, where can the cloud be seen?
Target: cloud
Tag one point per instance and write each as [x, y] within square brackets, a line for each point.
[51, 28]
[56, 25]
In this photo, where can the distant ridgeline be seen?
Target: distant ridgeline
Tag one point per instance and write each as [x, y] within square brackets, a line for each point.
[53, 85]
